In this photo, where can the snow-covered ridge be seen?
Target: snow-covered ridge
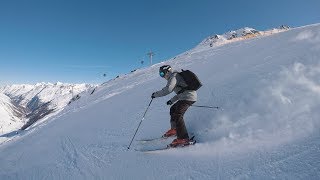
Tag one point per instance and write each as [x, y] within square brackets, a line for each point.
[42, 99]
[11, 116]
[59, 94]
[237, 35]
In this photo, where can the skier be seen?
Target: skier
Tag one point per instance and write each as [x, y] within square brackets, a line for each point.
[181, 102]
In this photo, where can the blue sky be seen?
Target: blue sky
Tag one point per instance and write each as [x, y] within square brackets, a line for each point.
[80, 40]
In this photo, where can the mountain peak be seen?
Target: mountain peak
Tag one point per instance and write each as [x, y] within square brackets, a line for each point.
[237, 35]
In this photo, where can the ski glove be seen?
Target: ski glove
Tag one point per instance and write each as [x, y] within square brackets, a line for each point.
[153, 96]
[169, 102]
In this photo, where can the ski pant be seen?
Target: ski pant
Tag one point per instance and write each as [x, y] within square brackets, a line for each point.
[176, 112]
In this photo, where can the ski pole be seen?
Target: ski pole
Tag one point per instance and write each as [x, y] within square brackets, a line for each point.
[216, 107]
[140, 123]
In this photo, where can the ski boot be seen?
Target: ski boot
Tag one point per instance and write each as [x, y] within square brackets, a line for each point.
[169, 133]
[182, 142]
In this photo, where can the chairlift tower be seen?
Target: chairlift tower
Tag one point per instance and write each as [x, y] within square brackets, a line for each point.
[151, 54]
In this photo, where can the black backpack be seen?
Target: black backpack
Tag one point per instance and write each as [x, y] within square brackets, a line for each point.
[191, 80]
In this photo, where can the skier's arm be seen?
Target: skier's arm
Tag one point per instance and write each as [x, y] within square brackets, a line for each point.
[168, 89]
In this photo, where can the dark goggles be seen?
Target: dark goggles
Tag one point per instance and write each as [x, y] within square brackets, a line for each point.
[161, 73]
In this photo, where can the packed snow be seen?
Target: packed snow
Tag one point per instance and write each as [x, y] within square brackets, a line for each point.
[267, 126]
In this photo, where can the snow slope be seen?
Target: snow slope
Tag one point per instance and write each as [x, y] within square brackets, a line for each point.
[268, 128]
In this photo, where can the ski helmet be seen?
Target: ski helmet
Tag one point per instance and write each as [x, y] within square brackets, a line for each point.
[164, 69]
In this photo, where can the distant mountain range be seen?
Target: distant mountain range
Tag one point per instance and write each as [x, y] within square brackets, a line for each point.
[24, 104]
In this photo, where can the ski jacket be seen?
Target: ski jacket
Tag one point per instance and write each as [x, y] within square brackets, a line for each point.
[175, 83]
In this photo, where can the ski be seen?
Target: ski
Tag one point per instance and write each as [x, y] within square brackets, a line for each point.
[158, 138]
[166, 148]
[191, 142]
[155, 139]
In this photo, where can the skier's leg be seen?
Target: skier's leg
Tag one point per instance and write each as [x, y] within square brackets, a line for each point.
[177, 116]
[172, 131]
[172, 119]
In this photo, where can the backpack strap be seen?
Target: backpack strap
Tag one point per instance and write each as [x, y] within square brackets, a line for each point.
[182, 88]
